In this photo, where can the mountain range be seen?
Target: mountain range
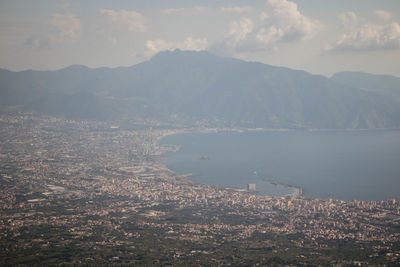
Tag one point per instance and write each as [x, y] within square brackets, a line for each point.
[198, 87]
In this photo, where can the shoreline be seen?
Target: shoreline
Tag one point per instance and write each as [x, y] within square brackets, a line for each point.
[296, 190]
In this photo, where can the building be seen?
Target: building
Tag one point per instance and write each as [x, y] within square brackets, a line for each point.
[251, 187]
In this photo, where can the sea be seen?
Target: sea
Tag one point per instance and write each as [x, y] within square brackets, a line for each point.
[346, 165]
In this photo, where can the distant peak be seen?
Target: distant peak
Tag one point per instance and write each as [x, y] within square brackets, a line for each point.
[181, 54]
[76, 66]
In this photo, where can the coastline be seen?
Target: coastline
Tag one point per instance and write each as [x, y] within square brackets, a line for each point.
[295, 189]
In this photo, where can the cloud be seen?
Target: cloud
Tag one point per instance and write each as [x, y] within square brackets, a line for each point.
[132, 20]
[289, 22]
[384, 15]
[68, 25]
[236, 10]
[191, 10]
[369, 37]
[281, 22]
[38, 42]
[240, 30]
[190, 43]
[63, 27]
[264, 16]
[348, 18]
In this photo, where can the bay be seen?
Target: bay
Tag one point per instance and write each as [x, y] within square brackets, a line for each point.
[363, 165]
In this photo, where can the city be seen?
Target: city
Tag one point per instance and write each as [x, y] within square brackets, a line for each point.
[95, 193]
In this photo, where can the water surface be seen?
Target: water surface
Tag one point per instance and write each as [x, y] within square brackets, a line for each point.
[328, 164]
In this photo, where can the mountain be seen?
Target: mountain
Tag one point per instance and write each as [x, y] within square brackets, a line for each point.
[382, 84]
[76, 92]
[199, 86]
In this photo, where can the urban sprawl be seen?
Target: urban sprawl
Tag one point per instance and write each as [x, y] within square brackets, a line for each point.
[97, 193]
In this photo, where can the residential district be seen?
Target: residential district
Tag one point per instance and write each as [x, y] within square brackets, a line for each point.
[85, 193]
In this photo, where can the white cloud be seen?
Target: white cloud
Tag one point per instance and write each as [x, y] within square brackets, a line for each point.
[133, 20]
[38, 42]
[369, 37]
[240, 30]
[382, 14]
[238, 39]
[289, 22]
[281, 22]
[62, 27]
[190, 43]
[189, 10]
[348, 18]
[269, 36]
[264, 16]
[236, 10]
[68, 25]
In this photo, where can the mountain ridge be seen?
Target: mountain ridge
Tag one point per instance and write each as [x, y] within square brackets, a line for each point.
[200, 86]
[387, 85]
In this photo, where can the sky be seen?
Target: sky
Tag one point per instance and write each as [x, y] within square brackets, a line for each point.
[318, 36]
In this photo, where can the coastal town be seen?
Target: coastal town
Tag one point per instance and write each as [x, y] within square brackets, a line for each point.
[93, 192]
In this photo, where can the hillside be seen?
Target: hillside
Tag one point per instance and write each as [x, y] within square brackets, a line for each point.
[382, 84]
[199, 86]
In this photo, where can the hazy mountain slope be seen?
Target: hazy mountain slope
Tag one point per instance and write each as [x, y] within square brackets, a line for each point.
[383, 84]
[21, 87]
[200, 86]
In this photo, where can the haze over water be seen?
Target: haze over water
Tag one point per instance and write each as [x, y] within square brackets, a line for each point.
[346, 165]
